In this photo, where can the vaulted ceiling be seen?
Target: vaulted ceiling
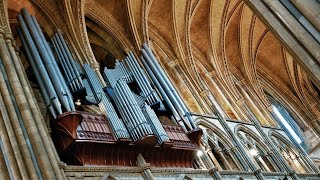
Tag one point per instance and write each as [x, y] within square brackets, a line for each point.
[202, 37]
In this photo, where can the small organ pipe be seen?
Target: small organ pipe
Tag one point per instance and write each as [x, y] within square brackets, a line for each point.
[70, 58]
[63, 64]
[67, 62]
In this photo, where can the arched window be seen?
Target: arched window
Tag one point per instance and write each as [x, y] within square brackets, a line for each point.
[287, 122]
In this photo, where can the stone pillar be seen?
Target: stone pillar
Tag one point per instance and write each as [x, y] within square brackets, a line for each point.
[310, 9]
[33, 106]
[145, 167]
[215, 173]
[10, 118]
[230, 152]
[206, 159]
[214, 160]
[271, 157]
[259, 158]
[4, 174]
[219, 151]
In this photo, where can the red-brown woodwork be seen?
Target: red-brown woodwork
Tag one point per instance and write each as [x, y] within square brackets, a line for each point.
[83, 138]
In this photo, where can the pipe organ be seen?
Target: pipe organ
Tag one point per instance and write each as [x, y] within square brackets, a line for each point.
[130, 105]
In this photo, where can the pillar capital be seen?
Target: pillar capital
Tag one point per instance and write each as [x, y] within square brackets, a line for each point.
[211, 74]
[241, 82]
[204, 93]
[240, 101]
[174, 63]
[257, 171]
[214, 169]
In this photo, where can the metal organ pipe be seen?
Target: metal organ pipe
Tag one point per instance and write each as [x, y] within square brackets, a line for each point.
[168, 83]
[162, 92]
[64, 66]
[68, 62]
[166, 88]
[155, 124]
[139, 80]
[39, 65]
[164, 76]
[143, 84]
[143, 76]
[78, 77]
[49, 51]
[57, 83]
[37, 75]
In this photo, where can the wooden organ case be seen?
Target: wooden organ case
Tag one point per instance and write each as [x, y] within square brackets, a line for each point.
[127, 123]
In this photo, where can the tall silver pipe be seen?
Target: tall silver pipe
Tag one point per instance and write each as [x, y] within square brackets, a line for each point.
[116, 124]
[61, 92]
[70, 57]
[140, 71]
[155, 124]
[37, 75]
[137, 119]
[49, 51]
[125, 105]
[141, 119]
[170, 86]
[139, 81]
[94, 82]
[131, 102]
[67, 62]
[162, 92]
[142, 83]
[166, 89]
[125, 118]
[63, 64]
[40, 66]
[164, 76]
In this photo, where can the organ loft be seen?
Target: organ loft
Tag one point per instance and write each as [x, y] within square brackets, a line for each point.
[160, 89]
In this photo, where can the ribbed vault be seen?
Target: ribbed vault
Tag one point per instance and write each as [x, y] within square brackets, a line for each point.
[201, 43]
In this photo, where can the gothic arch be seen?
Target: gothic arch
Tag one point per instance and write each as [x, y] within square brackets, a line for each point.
[257, 150]
[254, 135]
[294, 157]
[220, 148]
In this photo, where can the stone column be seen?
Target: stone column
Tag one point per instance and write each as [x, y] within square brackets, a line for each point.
[4, 174]
[32, 104]
[271, 157]
[145, 168]
[11, 121]
[258, 156]
[230, 152]
[214, 160]
[215, 173]
[219, 151]
[310, 9]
